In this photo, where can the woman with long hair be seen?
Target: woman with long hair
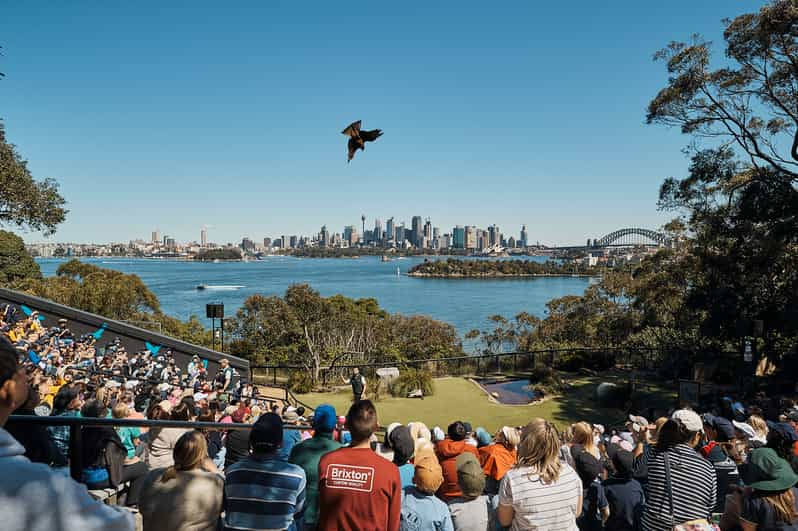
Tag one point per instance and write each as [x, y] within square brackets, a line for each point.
[583, 439]
[187, 495]
[540, 492]
[161, 441]
[213, 438]
[682, 486]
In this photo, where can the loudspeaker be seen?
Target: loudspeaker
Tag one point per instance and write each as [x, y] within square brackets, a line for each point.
[214, 310]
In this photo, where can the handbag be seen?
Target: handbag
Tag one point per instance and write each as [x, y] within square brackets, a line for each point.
[113, 460]
[701, 524]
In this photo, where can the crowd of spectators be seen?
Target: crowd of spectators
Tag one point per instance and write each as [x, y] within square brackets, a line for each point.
[729, 465]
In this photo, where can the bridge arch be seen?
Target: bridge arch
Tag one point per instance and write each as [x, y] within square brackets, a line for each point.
[621, 234]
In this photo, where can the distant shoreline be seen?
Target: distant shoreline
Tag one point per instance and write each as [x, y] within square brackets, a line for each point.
[497, 275]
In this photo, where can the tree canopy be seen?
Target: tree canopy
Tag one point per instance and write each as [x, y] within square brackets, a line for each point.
[25, 202]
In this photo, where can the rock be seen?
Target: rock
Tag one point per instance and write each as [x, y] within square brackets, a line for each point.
[388, 373]
[415, 394]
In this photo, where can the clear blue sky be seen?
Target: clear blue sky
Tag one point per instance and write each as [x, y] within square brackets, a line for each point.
[229, 114]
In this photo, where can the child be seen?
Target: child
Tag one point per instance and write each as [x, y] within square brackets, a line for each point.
[421, 510]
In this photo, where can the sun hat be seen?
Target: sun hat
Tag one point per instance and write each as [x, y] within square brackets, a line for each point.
[766, 471]
[746, 429]
[428, 475]
[290, 416]
[638, 422]
[689, 419]
[470, 476]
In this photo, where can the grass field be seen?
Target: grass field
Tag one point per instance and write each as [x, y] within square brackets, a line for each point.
[458, 399]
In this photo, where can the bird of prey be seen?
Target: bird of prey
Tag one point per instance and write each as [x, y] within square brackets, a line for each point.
[358, 138]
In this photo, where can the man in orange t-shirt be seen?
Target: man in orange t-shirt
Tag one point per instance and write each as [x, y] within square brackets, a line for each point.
[358, 489]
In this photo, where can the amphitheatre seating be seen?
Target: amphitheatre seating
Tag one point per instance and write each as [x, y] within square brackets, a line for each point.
[110, 495]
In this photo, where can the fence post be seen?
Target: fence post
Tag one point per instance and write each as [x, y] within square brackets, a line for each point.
[477, 372]
[75, 445]
[515, 362]
[274, 375]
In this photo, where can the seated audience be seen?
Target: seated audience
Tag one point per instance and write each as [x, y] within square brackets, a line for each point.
[421, 509]
[355, 484]
[447, 451]
[261, 491]
[470, 512]
[187, 496]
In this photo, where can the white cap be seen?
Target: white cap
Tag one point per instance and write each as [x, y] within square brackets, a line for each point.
[689, 419]
[747, 429]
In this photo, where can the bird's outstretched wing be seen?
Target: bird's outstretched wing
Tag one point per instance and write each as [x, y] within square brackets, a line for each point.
[353, 130]
[371, 136]
[353, 146]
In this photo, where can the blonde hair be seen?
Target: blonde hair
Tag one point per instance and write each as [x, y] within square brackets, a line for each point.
[189, 453]
[583, 435]
[120, 410]
[759, 425]
[783, 504]
[539, 449]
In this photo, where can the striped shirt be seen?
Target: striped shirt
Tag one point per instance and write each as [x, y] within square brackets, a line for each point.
[538, 505]
[263, 493]
[693, 484]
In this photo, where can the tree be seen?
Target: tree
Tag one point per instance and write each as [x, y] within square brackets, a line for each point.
[15, 262]
[25, 202]
[750, 103]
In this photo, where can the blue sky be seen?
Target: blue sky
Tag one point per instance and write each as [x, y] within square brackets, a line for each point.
[229, 114]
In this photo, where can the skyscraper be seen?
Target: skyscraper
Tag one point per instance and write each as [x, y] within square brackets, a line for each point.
[428, 232]
[377, 231]
[156, 236]
[204, 237]
[363, 221]
[470, 237]
[400, 234]
[324, 236]
[458, 237]
[524, 236]
[417, 230]
[390, 230]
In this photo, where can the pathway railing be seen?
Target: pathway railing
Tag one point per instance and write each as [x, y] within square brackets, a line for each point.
[76, 425]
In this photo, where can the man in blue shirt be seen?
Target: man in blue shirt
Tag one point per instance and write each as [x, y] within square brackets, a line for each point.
[290, 437]
[262, 491]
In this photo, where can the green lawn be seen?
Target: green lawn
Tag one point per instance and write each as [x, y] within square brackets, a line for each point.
[458, 399]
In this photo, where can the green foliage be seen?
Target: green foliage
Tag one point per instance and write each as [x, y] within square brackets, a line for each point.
[303, 328]
[411, 379]
[25, 202]
[546, 379]
[208, 255]
[453, 268]
[300, 382]
[572, 361]
[15, 263]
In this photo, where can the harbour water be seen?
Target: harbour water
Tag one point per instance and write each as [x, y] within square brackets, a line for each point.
[465, 303]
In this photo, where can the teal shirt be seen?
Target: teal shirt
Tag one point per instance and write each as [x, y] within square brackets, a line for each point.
[127, 434]
[307, 455]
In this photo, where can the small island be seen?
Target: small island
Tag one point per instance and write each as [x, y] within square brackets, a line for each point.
[209, 255]
[453, 268]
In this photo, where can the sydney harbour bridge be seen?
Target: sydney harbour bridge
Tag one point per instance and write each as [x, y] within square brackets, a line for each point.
[626, 237]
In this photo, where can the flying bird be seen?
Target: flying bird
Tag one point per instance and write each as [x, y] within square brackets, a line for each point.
[358, 138]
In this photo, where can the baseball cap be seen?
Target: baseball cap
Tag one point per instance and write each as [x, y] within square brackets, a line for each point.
[689, 419]
[267, 433]
[723, 426]
[324, 418]
[470, 476]
[638, 421]
[745, 428]
[428, 475]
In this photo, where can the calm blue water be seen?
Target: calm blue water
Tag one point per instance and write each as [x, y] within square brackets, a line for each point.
[511, 391]
[466, 304]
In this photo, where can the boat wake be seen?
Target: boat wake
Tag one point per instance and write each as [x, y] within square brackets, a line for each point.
[220, 287]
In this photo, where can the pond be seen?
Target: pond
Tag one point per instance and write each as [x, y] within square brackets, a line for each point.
[515, 392]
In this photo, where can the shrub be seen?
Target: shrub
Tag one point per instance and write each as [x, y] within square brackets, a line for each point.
[300, 382]
[547, 379]
[411, 379]
[572, 361]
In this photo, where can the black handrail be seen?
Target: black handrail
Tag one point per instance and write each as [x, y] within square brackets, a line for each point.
[460, 358]
[76, 425]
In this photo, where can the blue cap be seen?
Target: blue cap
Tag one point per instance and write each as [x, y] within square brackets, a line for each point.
[483, 437]
[324, 418]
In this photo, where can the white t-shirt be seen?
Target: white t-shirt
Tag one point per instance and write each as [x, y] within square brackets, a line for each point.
[539, 506]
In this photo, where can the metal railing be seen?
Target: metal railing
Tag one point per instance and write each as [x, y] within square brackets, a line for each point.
[472, 364]
[76, 425]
